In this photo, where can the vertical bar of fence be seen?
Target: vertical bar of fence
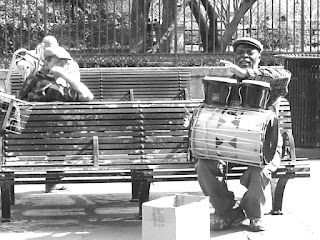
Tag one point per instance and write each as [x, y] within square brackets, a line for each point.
[184, 27]
[191, 28]
[302, 25]
[175, 19]
[92, 27]
[257, 28]
[54, 16]
[317, 22]
[28, 27]
[287, 24]
[129, 26]
[21, 24]
[61, 18]
[76, 19]
[206, 29]
[279, 28]
[122, 26]
[69, 22]
[265, 28]
[199, 29]
[99, 26]
[145, 18]
[272, 26]
[250, 22]
[45, 18]
[5, 27]
[114, 27]
[107, 27]
[150, 24]
[215, 26]
[294, 26]
[311, 32]
[37, 21]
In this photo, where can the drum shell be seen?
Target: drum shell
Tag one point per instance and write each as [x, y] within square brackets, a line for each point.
[217, 90]
[233, 134]
[254, 95]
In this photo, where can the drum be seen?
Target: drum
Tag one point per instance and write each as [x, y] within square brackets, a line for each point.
[237, 135]
[217, 89]
[254, 94]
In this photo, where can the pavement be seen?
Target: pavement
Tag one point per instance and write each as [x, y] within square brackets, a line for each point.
[105, 211]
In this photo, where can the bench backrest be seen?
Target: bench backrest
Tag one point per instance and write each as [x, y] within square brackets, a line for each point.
[100, 135]
[104, 135]
[121, 84]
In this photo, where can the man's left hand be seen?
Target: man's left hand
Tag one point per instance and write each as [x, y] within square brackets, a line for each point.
[57, 71]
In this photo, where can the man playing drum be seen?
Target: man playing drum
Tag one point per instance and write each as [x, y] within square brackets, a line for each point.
[211, 173]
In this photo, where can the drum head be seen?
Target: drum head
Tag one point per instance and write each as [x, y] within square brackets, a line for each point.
[256, 83]
[271, 140]
[208, 79]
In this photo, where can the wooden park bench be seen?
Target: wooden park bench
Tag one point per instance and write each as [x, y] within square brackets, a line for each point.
[101, 142]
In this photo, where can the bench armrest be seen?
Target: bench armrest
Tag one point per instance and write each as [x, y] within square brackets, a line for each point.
[288, 147]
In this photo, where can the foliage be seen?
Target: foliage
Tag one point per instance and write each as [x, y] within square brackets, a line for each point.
[21, 24]
[100, 25]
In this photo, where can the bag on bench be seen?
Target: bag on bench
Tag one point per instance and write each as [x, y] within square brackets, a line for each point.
[43, 88]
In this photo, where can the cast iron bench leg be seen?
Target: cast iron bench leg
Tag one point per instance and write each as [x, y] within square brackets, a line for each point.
[277, 194]
[144, 194]
[6, 202]
[135, 186]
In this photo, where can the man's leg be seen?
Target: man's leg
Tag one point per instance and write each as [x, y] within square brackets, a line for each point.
[256, 181]
[212, 183]
[211, 179]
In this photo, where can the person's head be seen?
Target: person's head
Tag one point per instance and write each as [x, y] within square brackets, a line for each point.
[49, 41]
[247, 52]
[56, 56]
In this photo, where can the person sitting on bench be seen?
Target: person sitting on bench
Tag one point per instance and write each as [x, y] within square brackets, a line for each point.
[58, 80]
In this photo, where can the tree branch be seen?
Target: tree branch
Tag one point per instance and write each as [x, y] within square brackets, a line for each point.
[231, 28]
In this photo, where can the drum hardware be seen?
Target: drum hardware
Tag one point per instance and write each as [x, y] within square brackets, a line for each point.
[245, 134]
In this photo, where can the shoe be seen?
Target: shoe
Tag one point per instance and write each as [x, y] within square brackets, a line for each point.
[54, 187]
[256, 225]
[235, 216]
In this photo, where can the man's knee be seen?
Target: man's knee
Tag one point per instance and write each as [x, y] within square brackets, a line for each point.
[215, 167]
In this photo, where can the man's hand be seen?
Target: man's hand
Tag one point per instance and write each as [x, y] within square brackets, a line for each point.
[235, 69]
[186, 120]
[58, 71]
[23, 67]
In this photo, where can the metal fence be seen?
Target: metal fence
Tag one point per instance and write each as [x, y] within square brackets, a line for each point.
[131, 32]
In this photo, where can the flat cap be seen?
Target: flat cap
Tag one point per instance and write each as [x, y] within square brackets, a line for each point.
[56, 51]
[248, 41]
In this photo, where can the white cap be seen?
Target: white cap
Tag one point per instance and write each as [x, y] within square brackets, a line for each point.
[57, 51]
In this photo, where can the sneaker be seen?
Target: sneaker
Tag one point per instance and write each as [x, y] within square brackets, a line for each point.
[256, 225]
[235, 216]
[53, 187]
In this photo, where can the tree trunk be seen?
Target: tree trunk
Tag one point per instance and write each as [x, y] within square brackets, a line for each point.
[139, 21]
[168, 10]
[212, 41]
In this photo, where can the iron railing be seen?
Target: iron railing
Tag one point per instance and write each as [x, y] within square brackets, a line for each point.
[118, 32]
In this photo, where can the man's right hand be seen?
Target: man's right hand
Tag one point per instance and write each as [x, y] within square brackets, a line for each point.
[235, 69]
